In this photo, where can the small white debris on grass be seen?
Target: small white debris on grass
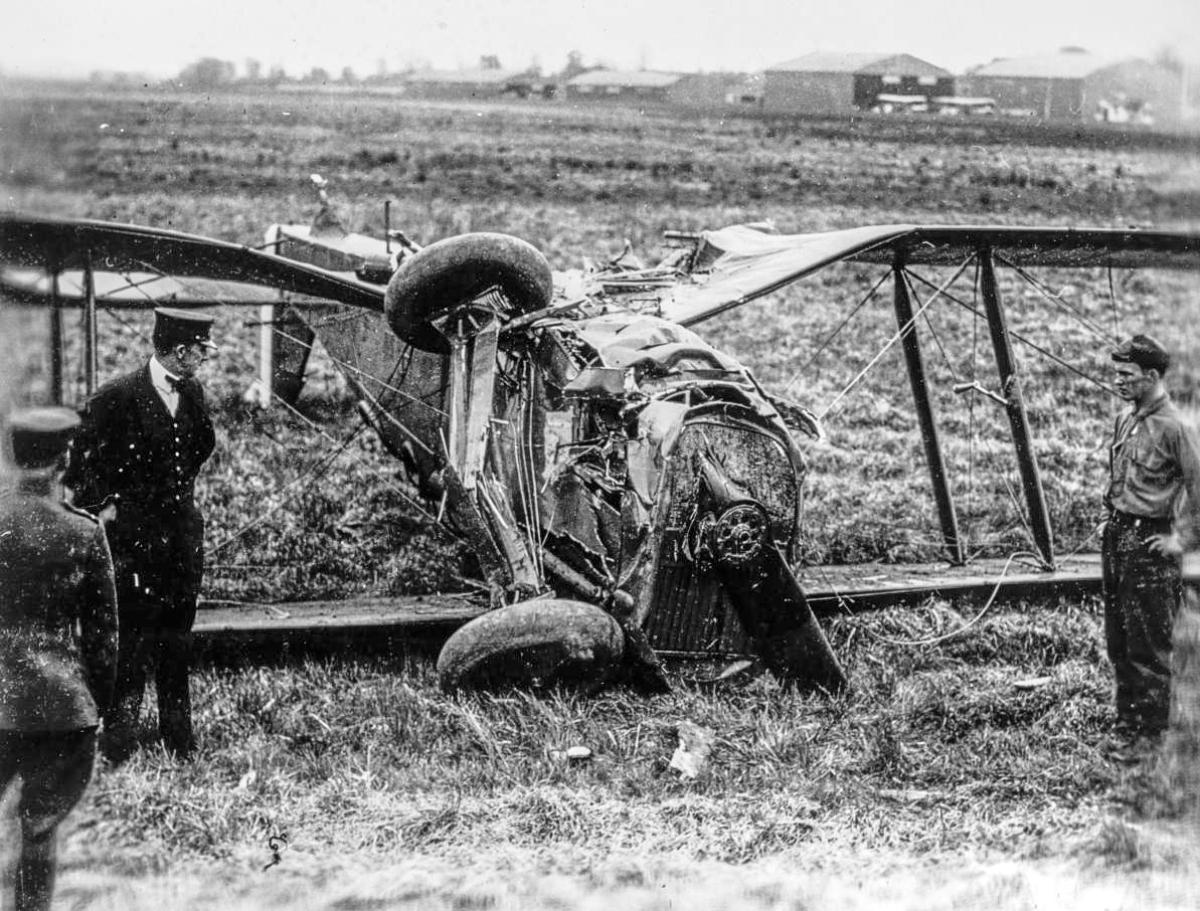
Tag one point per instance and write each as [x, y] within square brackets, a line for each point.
[695, 747]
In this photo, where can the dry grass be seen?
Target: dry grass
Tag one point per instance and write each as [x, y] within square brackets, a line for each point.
[355, 783]
[938, 782]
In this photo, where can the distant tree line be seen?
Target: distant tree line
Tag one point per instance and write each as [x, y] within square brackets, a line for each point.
[209, 73]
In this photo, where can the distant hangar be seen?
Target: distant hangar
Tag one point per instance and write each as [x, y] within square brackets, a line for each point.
[843, 83]
[1073, 84]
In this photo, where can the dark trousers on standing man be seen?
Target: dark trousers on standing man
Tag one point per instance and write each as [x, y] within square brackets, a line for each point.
[1142, 594]
[51, 769]
[159, 568]
[150, 643]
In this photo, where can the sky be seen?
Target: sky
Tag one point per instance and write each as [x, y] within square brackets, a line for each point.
[159, 37]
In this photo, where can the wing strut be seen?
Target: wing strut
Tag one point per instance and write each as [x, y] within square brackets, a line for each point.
[929, 433]
[56, 342]
[90, 343]
[1031, 480]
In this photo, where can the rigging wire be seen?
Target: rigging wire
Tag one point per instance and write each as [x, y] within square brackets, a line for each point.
[837, 330]
[932, 331]
[1112, 300]
[370, 376]
[316, 470]
[901, 332]
[1057, 298]
[1023, 340]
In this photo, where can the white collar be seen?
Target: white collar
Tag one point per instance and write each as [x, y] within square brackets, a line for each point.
[159, 375]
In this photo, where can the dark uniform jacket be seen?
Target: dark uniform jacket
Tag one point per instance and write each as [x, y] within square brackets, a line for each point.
[132, 453]
[58, 621]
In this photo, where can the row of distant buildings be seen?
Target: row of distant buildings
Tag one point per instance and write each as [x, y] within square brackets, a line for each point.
[1068, 85]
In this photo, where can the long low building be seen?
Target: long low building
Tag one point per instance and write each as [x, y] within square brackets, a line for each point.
[1072, 84]
[842, 83]
[621, 85]
[463, 84]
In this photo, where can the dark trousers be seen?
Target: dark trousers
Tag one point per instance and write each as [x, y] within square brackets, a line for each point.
[51, 769]
[163, 649]
[160, 562]
[1142, 594]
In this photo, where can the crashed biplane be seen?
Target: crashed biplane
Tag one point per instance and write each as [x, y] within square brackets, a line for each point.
[571, 425]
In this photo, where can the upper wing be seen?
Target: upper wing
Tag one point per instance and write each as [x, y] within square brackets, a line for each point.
[738, 264]
[135, 266]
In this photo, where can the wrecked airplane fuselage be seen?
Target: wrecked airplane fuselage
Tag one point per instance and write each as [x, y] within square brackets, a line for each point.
[586, 448]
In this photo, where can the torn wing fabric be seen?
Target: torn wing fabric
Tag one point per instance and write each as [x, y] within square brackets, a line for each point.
[743, 264]
[738, 264]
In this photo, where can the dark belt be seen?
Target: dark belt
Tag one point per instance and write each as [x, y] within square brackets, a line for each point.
[1154, 524]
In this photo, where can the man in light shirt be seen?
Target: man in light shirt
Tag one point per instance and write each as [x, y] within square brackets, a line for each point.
[134, 462]
[1153, 503]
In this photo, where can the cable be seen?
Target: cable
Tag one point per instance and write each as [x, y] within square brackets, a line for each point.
[840, 326]
[934, 640]
[900, 333]
[1040, 286]
[1023, 340]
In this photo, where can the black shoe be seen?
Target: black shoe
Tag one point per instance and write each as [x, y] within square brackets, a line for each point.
[1137, 749]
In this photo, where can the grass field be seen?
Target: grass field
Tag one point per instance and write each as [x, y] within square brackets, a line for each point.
[968, 772]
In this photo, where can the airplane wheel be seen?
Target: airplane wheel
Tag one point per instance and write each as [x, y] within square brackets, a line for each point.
[455, 270]
[535, 644]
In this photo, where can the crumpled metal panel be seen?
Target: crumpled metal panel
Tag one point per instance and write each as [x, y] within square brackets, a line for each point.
[688, 611]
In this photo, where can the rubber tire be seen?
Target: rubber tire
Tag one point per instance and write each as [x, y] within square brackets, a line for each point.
[456, 269]
[533, 644]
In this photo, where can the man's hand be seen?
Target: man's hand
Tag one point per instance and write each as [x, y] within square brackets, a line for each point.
[108, 513]
[1166, 545]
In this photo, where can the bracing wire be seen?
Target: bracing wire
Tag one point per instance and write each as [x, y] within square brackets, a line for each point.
[837, 330]
[1041, 287]
[1025, 341]
[900, 333]
[316, 470]
[937, 339]
[1112, 300]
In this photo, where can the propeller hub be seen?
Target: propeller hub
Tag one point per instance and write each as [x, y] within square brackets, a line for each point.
[733, 539]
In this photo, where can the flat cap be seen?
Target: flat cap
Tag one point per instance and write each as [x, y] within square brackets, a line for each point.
[1144, 351]
[40, 435]
[181, 327]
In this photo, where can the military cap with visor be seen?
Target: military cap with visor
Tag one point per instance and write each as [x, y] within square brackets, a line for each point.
[173, 326]
[40, 436]
[1143, 351]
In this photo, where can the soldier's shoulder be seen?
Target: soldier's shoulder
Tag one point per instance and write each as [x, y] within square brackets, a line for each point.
[117, 386]
[113, 397]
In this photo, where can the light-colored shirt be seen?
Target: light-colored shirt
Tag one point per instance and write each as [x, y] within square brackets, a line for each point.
[166, 390]
[1154, 465]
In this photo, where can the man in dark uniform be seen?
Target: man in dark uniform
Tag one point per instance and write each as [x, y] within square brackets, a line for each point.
[144, 438]
[1154, 473]
[58, 644]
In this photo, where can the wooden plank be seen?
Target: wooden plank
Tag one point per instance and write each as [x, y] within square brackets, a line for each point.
[830, 589]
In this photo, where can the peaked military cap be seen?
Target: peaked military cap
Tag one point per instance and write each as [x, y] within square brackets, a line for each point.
[181, 327]
[1144, 351]
[40, 435]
